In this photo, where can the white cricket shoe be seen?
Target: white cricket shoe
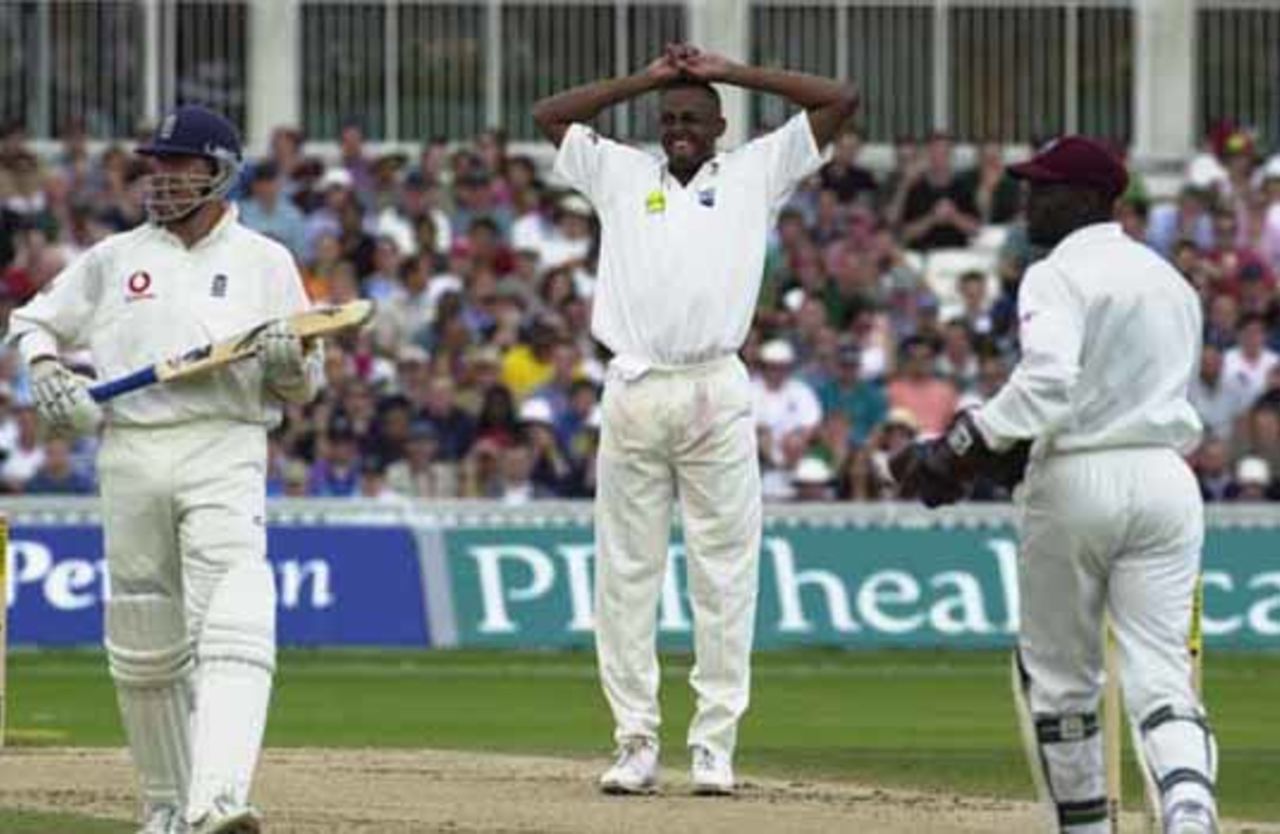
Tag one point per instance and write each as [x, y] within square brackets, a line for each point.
[227, 817]
[163, 819]
[1190, 818]
[636, 769]
[712, 774]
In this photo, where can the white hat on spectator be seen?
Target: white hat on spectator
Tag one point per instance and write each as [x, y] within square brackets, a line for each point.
[812, 470]
[1205, 171]
[1271, 171]
[336, 177]
[1253, 471]
[536, 410]
[794, 299]
[412, 354]
[575, 204]
[903, 417]
[777, 352]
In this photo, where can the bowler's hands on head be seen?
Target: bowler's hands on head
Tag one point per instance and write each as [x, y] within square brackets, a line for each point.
[664, 68]
[703, 66]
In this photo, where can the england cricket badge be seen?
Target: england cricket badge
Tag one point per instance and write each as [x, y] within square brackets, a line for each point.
[655, 202]
[707, 197]
[219, 286]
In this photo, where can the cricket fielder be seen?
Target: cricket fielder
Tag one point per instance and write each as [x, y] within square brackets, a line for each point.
[190, 626]
[682, 253]
[1109, 516]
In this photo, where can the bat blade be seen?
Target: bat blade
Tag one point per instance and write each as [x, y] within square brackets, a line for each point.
[321, 321]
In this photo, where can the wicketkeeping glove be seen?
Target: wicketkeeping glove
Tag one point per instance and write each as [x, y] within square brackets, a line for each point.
[280, 351]
[62, 399]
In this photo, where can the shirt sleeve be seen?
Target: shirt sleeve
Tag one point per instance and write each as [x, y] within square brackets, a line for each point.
[789, 154]
[586, 161]
[58, 317]
[1037, 399]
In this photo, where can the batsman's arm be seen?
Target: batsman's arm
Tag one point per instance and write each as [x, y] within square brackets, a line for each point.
[58, 316]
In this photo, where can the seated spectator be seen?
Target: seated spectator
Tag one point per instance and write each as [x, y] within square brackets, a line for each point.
[556, 391]
[551, 467]
[993, 373]
[1248, 363]
[420, 474]
[528, 365]
[1216, 397]
[268, 211]
[812, 480]
[583, 449]
[383, 283]
[972, 287]
[57, 475]
[582, 404]
[958, 362]
[939, 210]
[843, 176]
[861, 401]
[1231, 267]
[1253, 481]
[496, 422]
[996, 195]
[295, 479]
[373, 483]
[919, 390]
[26, 455]
[454, 427]
[515, 484]
[1132, 214]
[1188, 219]
[858, 479]
[336, 472]
[784, 405]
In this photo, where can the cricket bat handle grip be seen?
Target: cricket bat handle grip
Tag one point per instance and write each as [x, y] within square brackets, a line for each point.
[109, 390]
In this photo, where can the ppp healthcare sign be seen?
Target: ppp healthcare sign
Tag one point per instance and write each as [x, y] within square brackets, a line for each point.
[335, 585]
[856, 587]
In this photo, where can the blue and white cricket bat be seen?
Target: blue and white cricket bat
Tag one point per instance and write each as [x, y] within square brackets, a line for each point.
[320, 321]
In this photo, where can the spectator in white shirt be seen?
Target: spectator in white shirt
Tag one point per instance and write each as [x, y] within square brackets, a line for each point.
[1219, 399]
[784, 405]
[1247, 364]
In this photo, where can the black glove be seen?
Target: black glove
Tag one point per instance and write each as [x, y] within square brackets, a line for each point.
[942, 471]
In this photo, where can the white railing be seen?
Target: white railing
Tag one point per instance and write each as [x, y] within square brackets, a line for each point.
[1154, 72]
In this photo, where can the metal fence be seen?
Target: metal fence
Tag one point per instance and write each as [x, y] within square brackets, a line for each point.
[1008, 70]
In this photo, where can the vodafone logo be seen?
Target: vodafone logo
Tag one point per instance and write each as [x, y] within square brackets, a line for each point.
[139, 285]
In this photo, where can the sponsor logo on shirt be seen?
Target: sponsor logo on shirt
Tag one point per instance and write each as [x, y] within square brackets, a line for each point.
[707, 197]
[655, 202]
[219, 287]
[139, 286]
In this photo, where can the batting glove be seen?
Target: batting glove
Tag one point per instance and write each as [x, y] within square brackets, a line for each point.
[280, 351]
[62, 399]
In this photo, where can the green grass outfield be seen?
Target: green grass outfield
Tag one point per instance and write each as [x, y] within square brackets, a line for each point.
[920, 719]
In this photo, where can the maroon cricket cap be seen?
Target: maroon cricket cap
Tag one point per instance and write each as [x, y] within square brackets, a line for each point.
[1076, 160]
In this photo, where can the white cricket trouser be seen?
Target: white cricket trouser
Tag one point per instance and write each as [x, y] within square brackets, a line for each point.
[1120, 531]
[686, 433]
[181, 505]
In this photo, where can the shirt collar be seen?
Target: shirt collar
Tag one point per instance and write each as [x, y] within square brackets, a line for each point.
[230, 214]
[1092, 233]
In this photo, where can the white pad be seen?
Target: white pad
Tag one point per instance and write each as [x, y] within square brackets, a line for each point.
[1065, 755]
[151, 661]
[1182, 756]
[236, 651]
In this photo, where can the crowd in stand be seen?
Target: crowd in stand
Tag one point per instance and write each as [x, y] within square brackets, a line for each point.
[479, 378]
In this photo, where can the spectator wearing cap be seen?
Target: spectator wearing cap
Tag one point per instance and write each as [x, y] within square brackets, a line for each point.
[939, 211]
[337, 190]
[812, 480]
[373, 483]
[784, 405]
[917, 388]
[843, 176]
[473, 198]
[551, 468]
[295, 480]
[1252, 481]
[421, 474]
[1189, 218]
[336, 472]
[266, 210]
[1219, 399]
[57, 474]
[1248, 363]
[861, 401]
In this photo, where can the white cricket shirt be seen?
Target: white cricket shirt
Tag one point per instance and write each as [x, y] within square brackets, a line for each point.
[1110, 336]
[681, 265]
[142, 296]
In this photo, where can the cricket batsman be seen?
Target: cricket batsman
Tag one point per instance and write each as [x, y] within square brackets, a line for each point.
[682, 254]
[190, 625]
[1109, 514]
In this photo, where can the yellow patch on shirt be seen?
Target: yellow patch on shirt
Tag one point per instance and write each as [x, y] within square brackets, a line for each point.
[655, 203]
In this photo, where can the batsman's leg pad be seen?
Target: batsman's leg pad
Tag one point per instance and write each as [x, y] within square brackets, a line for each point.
[1181, 754]
[1064, 752]
[236, 652]
[150, 657]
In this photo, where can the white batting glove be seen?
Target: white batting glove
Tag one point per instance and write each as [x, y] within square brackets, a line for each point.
[280, 351]
[62, 399]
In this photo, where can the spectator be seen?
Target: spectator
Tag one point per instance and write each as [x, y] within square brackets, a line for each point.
[57, 475]
[373, 483]
[336, 188]
[337, 471]
[1213, 470]
[1259, 436]
[1188, 219]
[1132, 215]
[557, 391]
[551, 468]
[26, 455]
[515, 485]
[996, 195]
[862, 402]
[848, 181]
[420, 473]
[1218, 399]
[353, 159]
[269, 212]
[295, 479]
[976, 313]
[528, 365]
[958, 362]
[454, 427]
[1247, 364]
[939, 210]
[784, 405]
[918, 390]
